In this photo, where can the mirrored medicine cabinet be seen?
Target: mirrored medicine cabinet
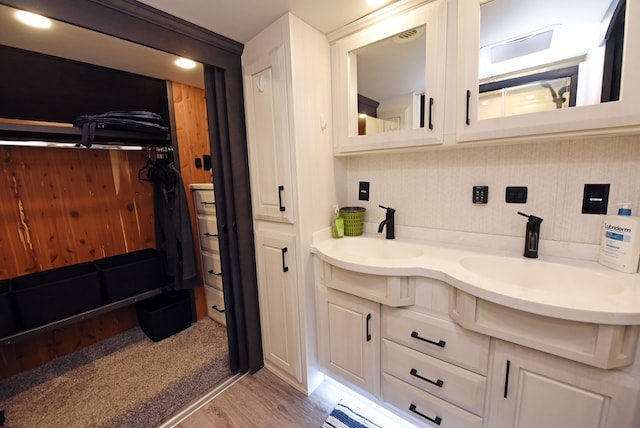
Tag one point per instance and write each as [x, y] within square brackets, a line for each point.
[531, 67]
[389, 81]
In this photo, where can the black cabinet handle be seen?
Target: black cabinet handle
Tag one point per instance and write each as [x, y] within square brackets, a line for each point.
[439, 383]
[437, 420]
[210, 235]
[416, 335]
[506, 379]
[207, 203]
[284, 266]
[214, 273]
[215, 308]
[430, 108]
[468, 102]
[280, 190]
[368, 332]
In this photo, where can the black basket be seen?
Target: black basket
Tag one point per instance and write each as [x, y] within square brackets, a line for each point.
[7, 325]
[130, 274]
[48, 296]
[165, 315]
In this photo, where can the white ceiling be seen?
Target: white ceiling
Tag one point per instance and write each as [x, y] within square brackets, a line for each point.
[240, 20]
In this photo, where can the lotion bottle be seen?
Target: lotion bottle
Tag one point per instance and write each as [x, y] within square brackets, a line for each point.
[337, 225]
[620, 246]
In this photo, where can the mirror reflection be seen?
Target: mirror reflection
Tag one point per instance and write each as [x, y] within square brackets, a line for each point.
[391, 83]
[539, 55]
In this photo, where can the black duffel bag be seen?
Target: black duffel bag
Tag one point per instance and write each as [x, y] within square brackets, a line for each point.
[132, 121]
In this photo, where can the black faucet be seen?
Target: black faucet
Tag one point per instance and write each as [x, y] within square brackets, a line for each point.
[389, 221]
[532, 236]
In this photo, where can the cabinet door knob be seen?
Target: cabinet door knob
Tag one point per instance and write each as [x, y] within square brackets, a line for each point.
[430, 110]
[440, 343]
[280, 190]
[284, 265]
[468, 120]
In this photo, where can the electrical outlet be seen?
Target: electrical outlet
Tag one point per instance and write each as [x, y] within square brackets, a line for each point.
[363, 191]
[480, 194]
[516, 195]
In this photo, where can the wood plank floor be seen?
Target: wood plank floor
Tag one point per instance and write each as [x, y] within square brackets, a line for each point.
[263, 400]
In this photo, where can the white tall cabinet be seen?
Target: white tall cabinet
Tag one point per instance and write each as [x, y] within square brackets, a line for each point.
[287, 86]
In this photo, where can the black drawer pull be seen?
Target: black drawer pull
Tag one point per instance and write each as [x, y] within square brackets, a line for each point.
[215, 308]
[416, 335]
[437, 420]
[214, 273]
[207, 203]
[368, 332]
[280, 190]
[439, 383]
[284, 265]
[210, 235]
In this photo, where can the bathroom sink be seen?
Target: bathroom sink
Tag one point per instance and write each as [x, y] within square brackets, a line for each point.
[542, 276]
[375, 248]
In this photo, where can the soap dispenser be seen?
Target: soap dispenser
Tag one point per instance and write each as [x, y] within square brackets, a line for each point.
[337, 224]
[620, 246]
[532, 236]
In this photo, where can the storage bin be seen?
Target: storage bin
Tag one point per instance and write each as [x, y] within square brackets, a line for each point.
[44, 297]
[353, 220]
[165, 315]
[130, 274]
[7, 325]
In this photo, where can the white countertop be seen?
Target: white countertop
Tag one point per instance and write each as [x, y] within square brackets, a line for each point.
[578, 290]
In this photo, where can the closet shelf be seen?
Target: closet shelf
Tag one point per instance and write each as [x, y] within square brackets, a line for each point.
[25, 334]
[37, 135]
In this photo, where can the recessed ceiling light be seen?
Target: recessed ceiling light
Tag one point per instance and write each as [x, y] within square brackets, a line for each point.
[185, 63]
[33, 20]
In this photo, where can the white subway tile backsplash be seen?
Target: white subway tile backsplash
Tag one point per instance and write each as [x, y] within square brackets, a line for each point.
[432, 189]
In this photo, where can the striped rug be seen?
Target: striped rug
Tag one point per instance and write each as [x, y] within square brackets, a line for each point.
[348, 416]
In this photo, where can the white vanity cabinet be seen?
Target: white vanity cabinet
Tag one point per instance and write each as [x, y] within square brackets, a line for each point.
[531, 389]
[432, 369]
[287, 82]
[278, 291]
[205, 205]
[395, 25]
[591, 117]
[349, 338]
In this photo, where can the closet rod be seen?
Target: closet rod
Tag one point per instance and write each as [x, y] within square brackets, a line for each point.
[72, 145]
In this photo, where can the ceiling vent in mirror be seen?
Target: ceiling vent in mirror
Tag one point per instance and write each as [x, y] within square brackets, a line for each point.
[521, 45]
[409, 35]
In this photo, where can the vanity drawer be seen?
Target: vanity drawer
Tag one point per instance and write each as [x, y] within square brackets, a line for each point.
[208, 232]
[454, 384]
[215, 305]
[437, 337]
[205, 201]
[212, 270]
[424, 407]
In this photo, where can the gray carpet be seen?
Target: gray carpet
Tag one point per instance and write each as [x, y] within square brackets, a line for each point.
[124, 381]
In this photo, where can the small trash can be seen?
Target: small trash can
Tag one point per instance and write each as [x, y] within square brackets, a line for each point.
[353, 220]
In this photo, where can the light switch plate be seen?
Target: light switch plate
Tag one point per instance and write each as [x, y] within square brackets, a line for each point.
[595, 198]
